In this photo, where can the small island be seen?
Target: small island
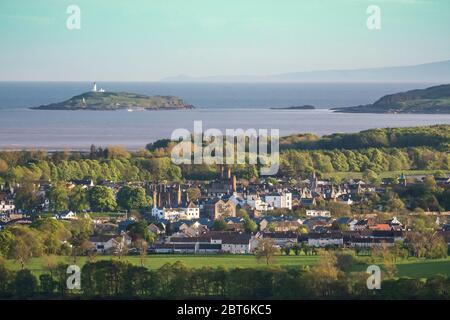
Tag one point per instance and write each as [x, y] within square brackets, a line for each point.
[304, 107]
[101, 100]
[433, 100]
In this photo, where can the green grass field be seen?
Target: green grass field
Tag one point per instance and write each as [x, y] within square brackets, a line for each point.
[192, 261]
[423, 268]
[408, 268]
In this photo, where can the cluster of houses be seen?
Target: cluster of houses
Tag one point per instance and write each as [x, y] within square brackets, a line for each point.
[185, 225]
[197, 237]
[224, 197]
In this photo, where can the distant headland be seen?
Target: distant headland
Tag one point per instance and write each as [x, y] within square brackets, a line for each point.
[102, 100]
[433, 100]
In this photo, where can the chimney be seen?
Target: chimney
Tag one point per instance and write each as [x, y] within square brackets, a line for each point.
[155, 198]
[179, 196]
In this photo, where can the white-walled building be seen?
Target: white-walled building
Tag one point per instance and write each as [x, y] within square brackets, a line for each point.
[325, 239]
[191, 212]
[255, 202]
[7, 207]
[318, 213]
[66, 215]
[279, 200]
[229, 242]
[103, 244]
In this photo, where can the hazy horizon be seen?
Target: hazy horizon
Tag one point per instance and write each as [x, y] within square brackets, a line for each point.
[141, 41]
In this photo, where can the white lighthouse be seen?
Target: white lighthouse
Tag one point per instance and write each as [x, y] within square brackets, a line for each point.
[94, 88]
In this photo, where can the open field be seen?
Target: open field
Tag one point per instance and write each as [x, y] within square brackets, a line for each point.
[407, 268]
[191, 261]
[423, 268]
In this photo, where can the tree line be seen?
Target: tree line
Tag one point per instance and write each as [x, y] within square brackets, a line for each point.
[436, 136]
[304, 162]
[119, 279]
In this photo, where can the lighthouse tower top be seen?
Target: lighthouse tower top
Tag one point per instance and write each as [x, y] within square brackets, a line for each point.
[94, 88]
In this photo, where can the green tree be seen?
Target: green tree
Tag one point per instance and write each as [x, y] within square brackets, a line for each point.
[324, 274]
[3, 166]
[58, 198]
[6, 276]
[249, 225]
[371, 176]
[80, 229]
[345, 261]
[102, 199]
[6, 242]
[24, 285]
[78, 199]
[395, 205]
[139, 230]
[220, 225]
[26, 198]
[47, 284]
[132, 198]
[27, 243]
[142, 247]
[266, 250]
[194, 193]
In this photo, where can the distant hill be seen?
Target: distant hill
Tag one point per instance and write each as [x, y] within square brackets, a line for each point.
[117, 101]
[435, 72]
[431, 100]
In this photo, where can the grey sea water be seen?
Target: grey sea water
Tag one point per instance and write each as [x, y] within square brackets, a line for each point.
[222, 106]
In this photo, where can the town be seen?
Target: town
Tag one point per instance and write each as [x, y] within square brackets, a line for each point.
[230, 216]
[338, 205]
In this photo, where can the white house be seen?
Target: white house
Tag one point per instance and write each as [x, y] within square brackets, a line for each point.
[255, 202]
[279, 200]
[7, 207]
[66, 215]
[106, 243]
[318, 213]
[191, 212]
[325, 239]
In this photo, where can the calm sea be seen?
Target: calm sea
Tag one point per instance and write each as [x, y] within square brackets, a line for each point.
[221, 106]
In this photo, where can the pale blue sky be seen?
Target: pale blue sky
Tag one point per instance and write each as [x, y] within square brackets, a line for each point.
[139, 40]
